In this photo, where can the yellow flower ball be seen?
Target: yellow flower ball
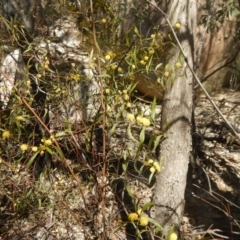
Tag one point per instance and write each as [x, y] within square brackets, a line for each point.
[6, 134]
[143, 221]
[177, 25]
[113, 67]
[58, 90]
[152, 169]
[132, 217]
[178, 65]
[133, 66]
[119, 70]
[107, 91]
[28, 82]
[130, 117]
[150, 161]
[111, 54]
[146, 58]
[128, 104]
[139, 120]
[124, 91]
[126, 97]
[146, 163]
[24, 147]
[104, 20]
[153, 36]
[157, 166]
[173, 236]
[151, 52]
[48, 142]
[107, 57]
[143, 62]
[34, 149]
[145, 122]
[166, 74]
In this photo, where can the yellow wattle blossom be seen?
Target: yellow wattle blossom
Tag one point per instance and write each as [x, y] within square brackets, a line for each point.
[153, 36]
[143, 62]
[48, 142]
[120, 70]
[157, 166]
[145, 122]
[58, 90]
[34, 149]
[173, 236]
[152, 169]
[107, 90]
[130, 117]
[133, 66]
[143, 221]
[151, 51]
[133, 217]
[177, 25]
[107, 57]
[126, 97]
[139, 120]
[111, 54]
[6, 134]
[178, 65]
[166, 74]
[104, 20]
[128, 104]
[146, 58]
[113, 67]
[24, 147]
[124, 91]
[28, 82]
[75, 76]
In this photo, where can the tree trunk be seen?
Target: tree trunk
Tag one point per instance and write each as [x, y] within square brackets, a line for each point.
[176, 123]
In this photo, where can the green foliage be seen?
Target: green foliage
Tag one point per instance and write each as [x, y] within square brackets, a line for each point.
[50, 89]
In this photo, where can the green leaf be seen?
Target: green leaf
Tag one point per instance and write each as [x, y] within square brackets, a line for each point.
[147, 206]
[171, 230]
[60, 134]
[156, 142]
[142, 135]
[113, 129]
[32, 159]
[129, 133]
[158, 66]
[129, 191]
[156, 223]
[124, 166]
[49, 150]
[153, 109]
[59, 151]
[150, 177]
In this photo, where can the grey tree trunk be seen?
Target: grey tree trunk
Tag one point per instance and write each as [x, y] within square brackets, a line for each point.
[176, 123]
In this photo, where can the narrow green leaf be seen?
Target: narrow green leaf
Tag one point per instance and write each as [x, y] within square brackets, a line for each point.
[112, 131]
[129, 133]
[153, 109]
[156, 142]
[129, 191]
[142, 135]
[156, 223]
[32, 159]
